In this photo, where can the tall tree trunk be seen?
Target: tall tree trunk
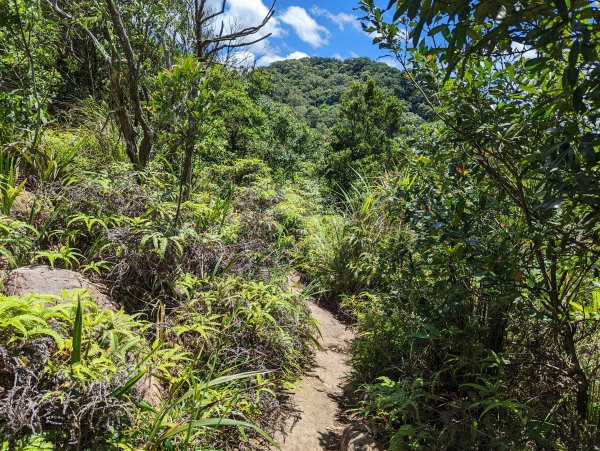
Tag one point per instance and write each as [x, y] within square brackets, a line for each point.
[186, 178]
[120, 105]
[34, 85]
[144, 148]
[582, 389]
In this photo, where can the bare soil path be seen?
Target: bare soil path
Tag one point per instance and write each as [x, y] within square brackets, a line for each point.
[320, 391]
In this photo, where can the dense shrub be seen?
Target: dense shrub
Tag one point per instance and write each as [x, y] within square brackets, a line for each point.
[430, 266]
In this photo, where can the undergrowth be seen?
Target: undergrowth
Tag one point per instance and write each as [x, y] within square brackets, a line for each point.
[209, 333]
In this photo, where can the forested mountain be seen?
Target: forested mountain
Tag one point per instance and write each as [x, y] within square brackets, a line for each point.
[172, 223]
[313, 87]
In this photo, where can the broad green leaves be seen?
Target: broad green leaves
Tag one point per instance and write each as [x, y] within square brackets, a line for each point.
[460, 30]
[517, 88]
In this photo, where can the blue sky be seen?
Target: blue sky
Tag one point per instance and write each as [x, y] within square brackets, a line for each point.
[303, 28]
[300, 28]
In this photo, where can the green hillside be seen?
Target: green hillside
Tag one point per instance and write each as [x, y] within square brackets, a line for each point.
[313, 86]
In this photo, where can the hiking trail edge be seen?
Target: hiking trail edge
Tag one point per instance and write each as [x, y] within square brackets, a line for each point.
[320, 391]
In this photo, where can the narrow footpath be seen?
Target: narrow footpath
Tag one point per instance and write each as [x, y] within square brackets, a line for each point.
[320, 391]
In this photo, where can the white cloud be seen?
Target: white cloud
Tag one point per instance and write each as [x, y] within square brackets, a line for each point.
[392, 62]
[340, 19]
[297, 56]
[268, 59]
[523, 50]
[305, 26]
[340, 57]
[344, 19]
[242, 58]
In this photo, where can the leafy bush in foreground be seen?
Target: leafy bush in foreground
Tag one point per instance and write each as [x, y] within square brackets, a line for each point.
[451, 342]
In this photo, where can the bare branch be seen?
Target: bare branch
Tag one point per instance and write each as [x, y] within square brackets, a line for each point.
[214, 15]
[65, 16]
[209, 44]
[241, 44]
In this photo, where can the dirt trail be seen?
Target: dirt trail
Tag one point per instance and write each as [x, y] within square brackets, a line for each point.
[320, 391]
